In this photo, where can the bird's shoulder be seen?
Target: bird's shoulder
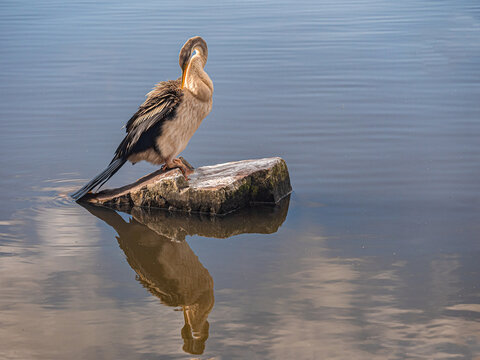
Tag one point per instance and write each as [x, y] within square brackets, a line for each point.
[160, 104]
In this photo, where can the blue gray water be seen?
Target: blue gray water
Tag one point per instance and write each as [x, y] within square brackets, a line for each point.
[374, 105]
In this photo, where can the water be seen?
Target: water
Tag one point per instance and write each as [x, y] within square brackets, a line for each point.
[375, 107]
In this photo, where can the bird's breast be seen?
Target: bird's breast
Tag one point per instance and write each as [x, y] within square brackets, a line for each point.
[177, 132]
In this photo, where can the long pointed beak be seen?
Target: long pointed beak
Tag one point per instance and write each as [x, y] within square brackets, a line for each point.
[184, 74]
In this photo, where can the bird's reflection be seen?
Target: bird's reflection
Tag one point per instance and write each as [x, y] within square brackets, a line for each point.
[155, 247]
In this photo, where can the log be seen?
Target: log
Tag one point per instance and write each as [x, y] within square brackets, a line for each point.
[217, 189]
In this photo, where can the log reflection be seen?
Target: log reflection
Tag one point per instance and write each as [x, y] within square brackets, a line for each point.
[155, 247]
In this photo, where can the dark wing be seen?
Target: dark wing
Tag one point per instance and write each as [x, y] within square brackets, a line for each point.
[146, 124]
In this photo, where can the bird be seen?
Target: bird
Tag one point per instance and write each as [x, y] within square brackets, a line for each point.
[164, 124]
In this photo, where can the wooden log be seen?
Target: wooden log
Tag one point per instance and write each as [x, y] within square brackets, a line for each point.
[217, 189]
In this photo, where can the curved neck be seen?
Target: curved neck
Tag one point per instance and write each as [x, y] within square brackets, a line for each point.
[197, 80]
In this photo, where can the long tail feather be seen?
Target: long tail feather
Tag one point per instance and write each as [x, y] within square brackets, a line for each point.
[100, 179]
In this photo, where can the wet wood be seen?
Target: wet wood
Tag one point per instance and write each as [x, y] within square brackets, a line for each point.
[217, 189]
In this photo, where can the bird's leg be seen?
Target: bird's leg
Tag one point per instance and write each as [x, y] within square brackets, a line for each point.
[177, 163]
[183, 168]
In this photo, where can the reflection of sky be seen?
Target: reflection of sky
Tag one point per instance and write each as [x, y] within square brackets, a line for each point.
[343, 308]
[348, 307]
[297, 293]
[63, 300]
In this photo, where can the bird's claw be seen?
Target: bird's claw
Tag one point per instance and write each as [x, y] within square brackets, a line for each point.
[177, 163]
[183, 168]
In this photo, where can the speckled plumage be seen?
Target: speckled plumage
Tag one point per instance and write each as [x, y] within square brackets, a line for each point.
[163, 125]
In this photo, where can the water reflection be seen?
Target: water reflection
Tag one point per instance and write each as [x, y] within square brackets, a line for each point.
[154, 244]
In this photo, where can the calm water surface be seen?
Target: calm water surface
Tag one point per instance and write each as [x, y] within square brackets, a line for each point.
[375, 106]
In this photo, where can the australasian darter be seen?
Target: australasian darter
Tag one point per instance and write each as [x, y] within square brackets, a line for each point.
[165, 122]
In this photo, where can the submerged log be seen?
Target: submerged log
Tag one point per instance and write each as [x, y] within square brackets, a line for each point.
[217, 189]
